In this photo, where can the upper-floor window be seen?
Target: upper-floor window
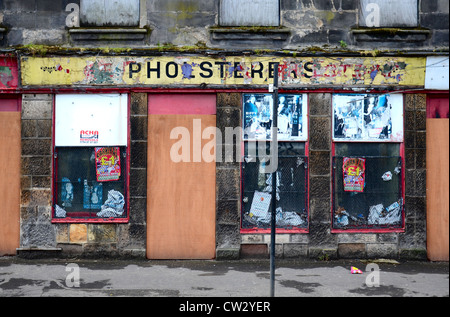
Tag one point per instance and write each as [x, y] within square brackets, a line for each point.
[388, 13]
[249, 13]
[124, 13]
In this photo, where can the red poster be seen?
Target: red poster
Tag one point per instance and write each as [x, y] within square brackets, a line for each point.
[9, 73]
[107, 160]
[353, 174]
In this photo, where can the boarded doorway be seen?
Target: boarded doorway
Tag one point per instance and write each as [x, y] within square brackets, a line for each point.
[180, 195]
[10, 176]
[437, 177]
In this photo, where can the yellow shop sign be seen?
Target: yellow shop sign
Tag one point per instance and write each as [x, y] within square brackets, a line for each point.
[225, 71]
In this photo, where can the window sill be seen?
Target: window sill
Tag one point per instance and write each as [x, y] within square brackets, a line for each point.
[108, 34]
[250, 34]
[278, 231]
[390, 34]
[90, 220]
[379, 230]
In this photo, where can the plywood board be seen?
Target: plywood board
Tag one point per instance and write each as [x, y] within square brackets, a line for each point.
[9, 182]
[437, 189]
[180, 196]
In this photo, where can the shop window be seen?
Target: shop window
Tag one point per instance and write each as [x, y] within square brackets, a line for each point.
[387, 13]
[292, 163]
[249, 13]
[368, 177]
[90, 166]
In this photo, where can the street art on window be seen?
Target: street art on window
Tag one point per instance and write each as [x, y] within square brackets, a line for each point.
[292, 117]
[368, 117]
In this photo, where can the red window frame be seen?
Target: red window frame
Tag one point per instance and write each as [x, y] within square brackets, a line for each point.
[401, 154]
[71, 219]
[257, 230]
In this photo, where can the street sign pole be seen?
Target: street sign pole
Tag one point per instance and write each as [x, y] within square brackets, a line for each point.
[274, 180]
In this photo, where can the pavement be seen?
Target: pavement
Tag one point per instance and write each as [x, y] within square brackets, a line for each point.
[205, 280]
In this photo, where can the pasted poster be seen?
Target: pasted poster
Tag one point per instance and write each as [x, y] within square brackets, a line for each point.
[368, 117]
[260, 205]
[92, 195]
[292, 110]
[354, 174]
[107, 160]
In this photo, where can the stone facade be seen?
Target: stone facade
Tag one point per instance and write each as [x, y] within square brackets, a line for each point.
[322, 24]
[319, 28]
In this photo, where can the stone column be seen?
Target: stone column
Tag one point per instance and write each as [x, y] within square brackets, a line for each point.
[228, 238]
[322, 243]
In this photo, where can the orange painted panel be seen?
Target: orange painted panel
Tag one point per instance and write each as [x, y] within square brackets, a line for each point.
[437, 189]
[180, 195]
[9, 182]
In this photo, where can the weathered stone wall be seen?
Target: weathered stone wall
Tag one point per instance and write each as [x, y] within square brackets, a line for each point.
[36, 172]
[322, 243]
[228, 238]
[318, 23]
[413, 242]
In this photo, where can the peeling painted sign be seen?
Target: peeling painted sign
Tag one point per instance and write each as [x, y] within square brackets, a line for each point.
[9, 77]
[235, 70]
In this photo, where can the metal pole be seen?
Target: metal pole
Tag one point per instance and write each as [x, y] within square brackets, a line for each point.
[274, 181]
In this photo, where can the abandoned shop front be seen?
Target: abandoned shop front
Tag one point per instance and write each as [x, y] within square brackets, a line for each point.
[172, 157]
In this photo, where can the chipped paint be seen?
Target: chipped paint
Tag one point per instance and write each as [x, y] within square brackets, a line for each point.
[130, 71]
[8, 73]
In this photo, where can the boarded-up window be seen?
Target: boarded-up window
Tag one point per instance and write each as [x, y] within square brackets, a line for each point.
[388, 13]
[249, 13]
[109, 13]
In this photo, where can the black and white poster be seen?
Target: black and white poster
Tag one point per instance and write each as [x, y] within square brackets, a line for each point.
[292, 117]
[368, 117]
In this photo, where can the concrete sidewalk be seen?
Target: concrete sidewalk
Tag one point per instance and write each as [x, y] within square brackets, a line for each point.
[202, 279]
